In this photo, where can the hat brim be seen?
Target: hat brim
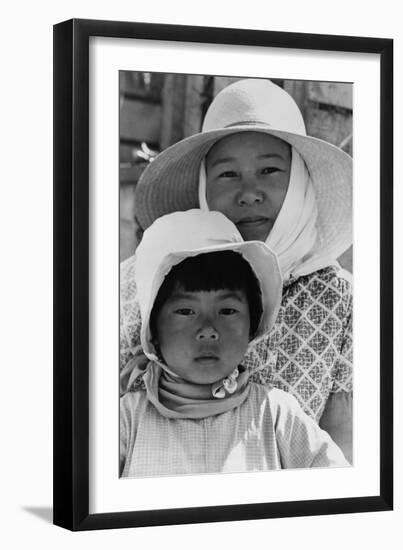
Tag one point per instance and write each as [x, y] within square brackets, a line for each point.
[264, 264]
[171, 182]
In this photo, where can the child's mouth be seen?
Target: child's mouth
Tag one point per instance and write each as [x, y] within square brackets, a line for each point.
[207, 359]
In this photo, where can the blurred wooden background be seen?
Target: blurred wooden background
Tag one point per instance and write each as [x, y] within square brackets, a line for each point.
[156, 110]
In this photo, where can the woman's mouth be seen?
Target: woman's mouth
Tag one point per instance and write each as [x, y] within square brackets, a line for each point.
[252, 221]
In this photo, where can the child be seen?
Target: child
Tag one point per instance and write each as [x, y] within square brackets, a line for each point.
[204, 295]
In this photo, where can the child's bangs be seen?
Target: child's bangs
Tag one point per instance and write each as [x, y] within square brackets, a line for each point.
[213, 271]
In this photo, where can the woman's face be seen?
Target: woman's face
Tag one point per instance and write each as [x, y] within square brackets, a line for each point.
[247, 180]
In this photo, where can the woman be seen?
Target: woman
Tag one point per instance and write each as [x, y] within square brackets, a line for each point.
[253, 162]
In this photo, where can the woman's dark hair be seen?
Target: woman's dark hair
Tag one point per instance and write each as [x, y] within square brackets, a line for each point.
[212, 271]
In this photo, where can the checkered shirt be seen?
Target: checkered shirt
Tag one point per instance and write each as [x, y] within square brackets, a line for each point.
[268, 431]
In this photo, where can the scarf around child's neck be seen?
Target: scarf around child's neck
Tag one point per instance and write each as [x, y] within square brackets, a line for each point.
[174, 397]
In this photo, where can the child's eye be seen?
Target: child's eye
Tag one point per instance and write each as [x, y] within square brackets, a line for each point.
[184, 311]
[228, 311]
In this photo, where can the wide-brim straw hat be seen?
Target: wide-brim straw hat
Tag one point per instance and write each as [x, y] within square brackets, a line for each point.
[174, 237]
[171, 182]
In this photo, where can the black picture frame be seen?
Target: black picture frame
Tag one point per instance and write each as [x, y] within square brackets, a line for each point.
[71, 274]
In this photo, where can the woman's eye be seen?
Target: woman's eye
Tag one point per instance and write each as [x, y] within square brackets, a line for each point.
[227, 174]
[184, 311]
[270, 170]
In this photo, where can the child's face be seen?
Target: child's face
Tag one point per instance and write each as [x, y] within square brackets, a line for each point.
[247, 180]
[203, 335]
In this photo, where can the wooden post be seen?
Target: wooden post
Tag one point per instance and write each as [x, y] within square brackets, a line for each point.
[192, 120]
[173, 101]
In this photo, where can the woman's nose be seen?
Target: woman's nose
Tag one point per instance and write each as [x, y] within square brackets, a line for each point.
[208, 333]
[249, 195]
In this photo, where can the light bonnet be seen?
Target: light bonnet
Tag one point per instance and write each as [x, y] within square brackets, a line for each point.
[171, 182]
[174, 237]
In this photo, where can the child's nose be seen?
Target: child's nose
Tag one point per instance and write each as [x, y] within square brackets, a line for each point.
[207, 333]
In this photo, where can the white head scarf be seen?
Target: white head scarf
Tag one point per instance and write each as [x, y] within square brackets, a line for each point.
[294, 233]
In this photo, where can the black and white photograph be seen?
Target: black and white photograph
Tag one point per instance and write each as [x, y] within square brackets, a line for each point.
[213, 235]
[201, 266]
[236, 284]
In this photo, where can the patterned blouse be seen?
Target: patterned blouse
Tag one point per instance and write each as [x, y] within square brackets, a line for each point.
[308, 353]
